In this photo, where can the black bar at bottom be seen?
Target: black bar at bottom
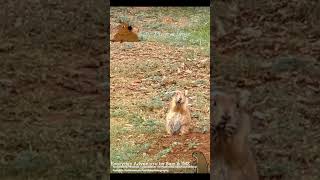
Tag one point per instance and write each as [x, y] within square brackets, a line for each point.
[161, 176]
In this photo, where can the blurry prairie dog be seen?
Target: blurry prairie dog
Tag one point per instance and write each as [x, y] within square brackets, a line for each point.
[233, 159]
[200, 162]
[178, 119]
[126, 33]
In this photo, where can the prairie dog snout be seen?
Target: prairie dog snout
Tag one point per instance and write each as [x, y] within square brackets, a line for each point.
[180, 98]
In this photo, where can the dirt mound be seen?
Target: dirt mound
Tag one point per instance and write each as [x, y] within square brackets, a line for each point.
[181, 147]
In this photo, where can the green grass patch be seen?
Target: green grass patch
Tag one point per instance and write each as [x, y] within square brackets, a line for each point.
[166, 151]
[128, 152]
[118, 112]
[195, 33]
[143, 125]
[192, 145]
[153, 104]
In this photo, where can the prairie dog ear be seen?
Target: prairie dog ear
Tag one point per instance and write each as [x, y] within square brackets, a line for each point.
[173, 93]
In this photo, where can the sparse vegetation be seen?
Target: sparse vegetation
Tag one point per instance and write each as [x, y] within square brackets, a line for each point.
[145, 77]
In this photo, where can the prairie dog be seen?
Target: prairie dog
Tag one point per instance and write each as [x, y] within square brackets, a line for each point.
[178, 119]
[232, 157]
[201, 162]
[125, 33]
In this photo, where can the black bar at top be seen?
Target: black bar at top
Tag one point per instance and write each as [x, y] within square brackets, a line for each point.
[159, 3]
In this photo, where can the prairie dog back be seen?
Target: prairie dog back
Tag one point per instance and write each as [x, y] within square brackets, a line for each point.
[125, 32]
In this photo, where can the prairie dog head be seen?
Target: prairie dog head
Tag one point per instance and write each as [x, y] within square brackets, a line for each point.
[227, 107]
[125, 27]
[180, 97]
[197, 154]
[179, 100]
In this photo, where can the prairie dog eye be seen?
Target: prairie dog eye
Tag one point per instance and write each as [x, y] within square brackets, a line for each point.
[238, 105]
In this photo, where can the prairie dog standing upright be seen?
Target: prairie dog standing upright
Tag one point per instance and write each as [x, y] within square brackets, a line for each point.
[232, 157]
[178, 119]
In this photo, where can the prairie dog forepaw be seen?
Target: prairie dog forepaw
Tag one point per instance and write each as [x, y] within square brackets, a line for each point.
[230, 129]
[221, 126]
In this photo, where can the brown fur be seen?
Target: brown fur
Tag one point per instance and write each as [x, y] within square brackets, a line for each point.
[125, 34]
[233, 159]
[201, 162]
[178, 115]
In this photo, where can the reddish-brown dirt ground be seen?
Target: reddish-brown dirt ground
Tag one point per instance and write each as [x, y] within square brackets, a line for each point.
[182, 151]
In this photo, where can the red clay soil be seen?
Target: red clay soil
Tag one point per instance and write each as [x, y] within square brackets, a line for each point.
[182, 151]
